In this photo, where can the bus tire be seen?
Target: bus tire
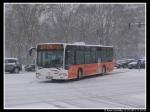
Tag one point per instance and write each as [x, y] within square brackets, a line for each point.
[80, 74]
[104, 70]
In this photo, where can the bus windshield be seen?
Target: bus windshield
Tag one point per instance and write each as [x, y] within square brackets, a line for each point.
[50, 58]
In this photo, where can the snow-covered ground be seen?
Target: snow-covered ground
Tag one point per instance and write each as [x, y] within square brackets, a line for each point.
[122, 88]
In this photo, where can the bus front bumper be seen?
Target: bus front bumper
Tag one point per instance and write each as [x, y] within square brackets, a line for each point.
[61, 76]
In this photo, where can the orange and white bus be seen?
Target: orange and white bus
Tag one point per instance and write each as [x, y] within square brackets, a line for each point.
[72, 61]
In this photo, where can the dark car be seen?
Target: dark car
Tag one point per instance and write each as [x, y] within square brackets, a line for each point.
[124, 63]
[119, 63]
[30, 67]
[12, 65]
[136, 64]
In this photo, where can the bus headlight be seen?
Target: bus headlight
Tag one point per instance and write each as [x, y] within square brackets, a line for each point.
[63, 74]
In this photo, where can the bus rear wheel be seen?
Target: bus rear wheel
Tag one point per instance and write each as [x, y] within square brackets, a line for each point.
[104, 70]
[80, 74]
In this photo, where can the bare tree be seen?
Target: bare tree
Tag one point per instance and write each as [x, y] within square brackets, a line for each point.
[108, 24]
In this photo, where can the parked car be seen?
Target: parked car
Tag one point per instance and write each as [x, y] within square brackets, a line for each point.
[12, 65]
[136, 65]
[30, 67]
[119, 63]
[124, 63]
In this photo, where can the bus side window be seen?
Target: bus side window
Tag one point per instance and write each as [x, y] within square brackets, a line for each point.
[93, 55]
[107, 55]
[69, 58]
[98, 55]
[87, 57]
[79, 57]
[103, 55]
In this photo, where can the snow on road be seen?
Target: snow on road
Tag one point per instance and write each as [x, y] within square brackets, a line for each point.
[122, 88]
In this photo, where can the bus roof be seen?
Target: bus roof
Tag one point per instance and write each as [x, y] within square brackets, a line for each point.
[76, 44]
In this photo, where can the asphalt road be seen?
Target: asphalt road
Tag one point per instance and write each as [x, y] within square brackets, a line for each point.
[122, 88]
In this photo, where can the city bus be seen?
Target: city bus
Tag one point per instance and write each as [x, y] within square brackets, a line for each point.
[64, 61]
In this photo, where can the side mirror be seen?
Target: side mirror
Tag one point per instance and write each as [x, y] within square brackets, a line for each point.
[31, 49]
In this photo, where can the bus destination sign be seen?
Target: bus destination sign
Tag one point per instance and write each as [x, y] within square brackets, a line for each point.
[50, 46]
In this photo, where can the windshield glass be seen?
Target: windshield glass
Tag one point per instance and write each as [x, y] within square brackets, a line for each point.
[50, 58]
